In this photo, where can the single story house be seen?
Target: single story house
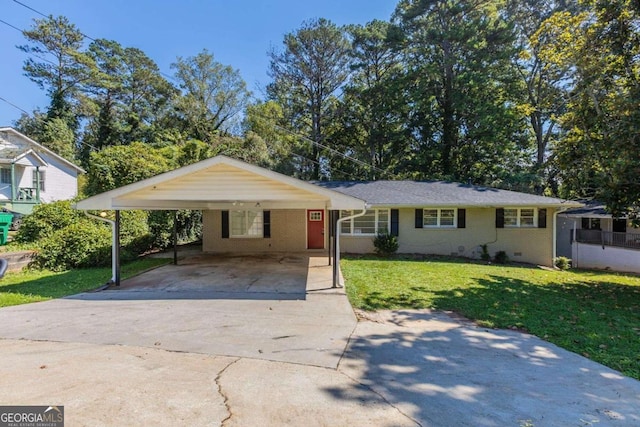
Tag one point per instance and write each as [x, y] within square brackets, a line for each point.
[247, 208]
[593, 238]
[31, 173]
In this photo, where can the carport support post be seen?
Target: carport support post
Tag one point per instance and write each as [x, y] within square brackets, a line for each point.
[116, 250]
[175, 237]
[334, 247]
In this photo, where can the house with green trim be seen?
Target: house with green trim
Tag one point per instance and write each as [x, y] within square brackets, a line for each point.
[31, 173]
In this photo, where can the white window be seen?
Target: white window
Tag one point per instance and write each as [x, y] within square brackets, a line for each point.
[520, 217]
[373, 222]
[246, 224]
[35, 180]
[5, 176]
[443, 218]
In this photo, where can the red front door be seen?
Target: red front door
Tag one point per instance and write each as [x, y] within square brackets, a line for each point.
[315, 229]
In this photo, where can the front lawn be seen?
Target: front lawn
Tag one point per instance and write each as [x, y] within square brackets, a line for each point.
[39, 285]
[596, 314]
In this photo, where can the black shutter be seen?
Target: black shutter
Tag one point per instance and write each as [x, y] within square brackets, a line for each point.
[266, 224]
[542, 218]
[419, 216]
[500, 218]
[395, 222]
[462, 218]
[225, 224]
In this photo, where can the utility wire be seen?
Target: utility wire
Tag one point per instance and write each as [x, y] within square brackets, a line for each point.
[46, 16]
[318, 144]
[9, 25]
[28, 53]
[14, 105]
[30, 8]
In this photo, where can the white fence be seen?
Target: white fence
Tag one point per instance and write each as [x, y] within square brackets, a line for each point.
[605, 257]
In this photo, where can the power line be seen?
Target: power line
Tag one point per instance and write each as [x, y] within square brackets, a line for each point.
[12, 26]
[28, 53]
[46, 16]
[167, 76]
[14, 105]
[30, 8]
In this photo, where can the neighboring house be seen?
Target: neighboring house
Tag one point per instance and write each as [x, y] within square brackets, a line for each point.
[251, 209]
[592, 238]
[31, 174]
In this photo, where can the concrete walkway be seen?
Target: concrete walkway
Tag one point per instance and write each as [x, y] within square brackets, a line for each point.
[224, 360]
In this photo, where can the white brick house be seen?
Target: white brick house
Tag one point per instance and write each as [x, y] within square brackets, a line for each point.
[31, 173]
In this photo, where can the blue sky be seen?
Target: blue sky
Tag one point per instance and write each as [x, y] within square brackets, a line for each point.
[238, 33]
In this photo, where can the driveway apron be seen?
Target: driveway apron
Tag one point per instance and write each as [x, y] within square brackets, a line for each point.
[279, 308]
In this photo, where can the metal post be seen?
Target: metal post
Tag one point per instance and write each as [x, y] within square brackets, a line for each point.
[175, 237]
[13, 182]
[330, 235]
[336, 261]
[116, 250]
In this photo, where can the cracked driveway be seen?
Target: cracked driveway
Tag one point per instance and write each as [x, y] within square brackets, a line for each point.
[204, 355]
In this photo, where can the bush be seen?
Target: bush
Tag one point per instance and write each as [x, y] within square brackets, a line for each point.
[563, 263]
[385, 243]
[161, 226]
[84, 244]
[46, 219]
[485, 253]
[501, 257]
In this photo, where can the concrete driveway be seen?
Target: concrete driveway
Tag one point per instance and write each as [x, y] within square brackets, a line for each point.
[270, 307]
[208, 354]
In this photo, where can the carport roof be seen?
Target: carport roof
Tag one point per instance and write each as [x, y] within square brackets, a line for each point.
[220, 183]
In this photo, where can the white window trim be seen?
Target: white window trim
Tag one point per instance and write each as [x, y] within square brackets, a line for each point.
[351, 223]
[438, 225]
[519, 218]
[246, 218]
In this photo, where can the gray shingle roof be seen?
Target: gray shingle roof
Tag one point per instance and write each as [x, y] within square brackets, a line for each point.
[437, 193]
[591, 208]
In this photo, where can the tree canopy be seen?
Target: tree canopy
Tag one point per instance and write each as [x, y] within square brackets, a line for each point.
[539, 96]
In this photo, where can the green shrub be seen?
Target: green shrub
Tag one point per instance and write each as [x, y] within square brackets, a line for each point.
[485, 253]
[46, 219]
[385, 243]
[161, 226]
[501, 257]
[84, 244]
[563, 263]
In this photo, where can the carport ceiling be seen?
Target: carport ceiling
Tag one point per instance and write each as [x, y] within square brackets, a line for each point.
[220, 183]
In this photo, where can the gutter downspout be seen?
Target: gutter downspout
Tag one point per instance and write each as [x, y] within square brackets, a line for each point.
[336, 274]
[114, 249]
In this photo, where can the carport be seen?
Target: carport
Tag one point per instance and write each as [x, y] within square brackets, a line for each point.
[246, 208]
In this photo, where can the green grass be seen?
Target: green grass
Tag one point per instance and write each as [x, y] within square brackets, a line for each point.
[596, 314]
[40, 285]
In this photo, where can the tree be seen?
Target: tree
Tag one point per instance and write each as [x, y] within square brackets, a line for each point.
[59, 39]
[53, 133]
[306, 75]
[126, 96]
[464, 120]
[544, 96]
[213, 95]
[266, 120]
[600, 152]
[373, 112]
[119, 165]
